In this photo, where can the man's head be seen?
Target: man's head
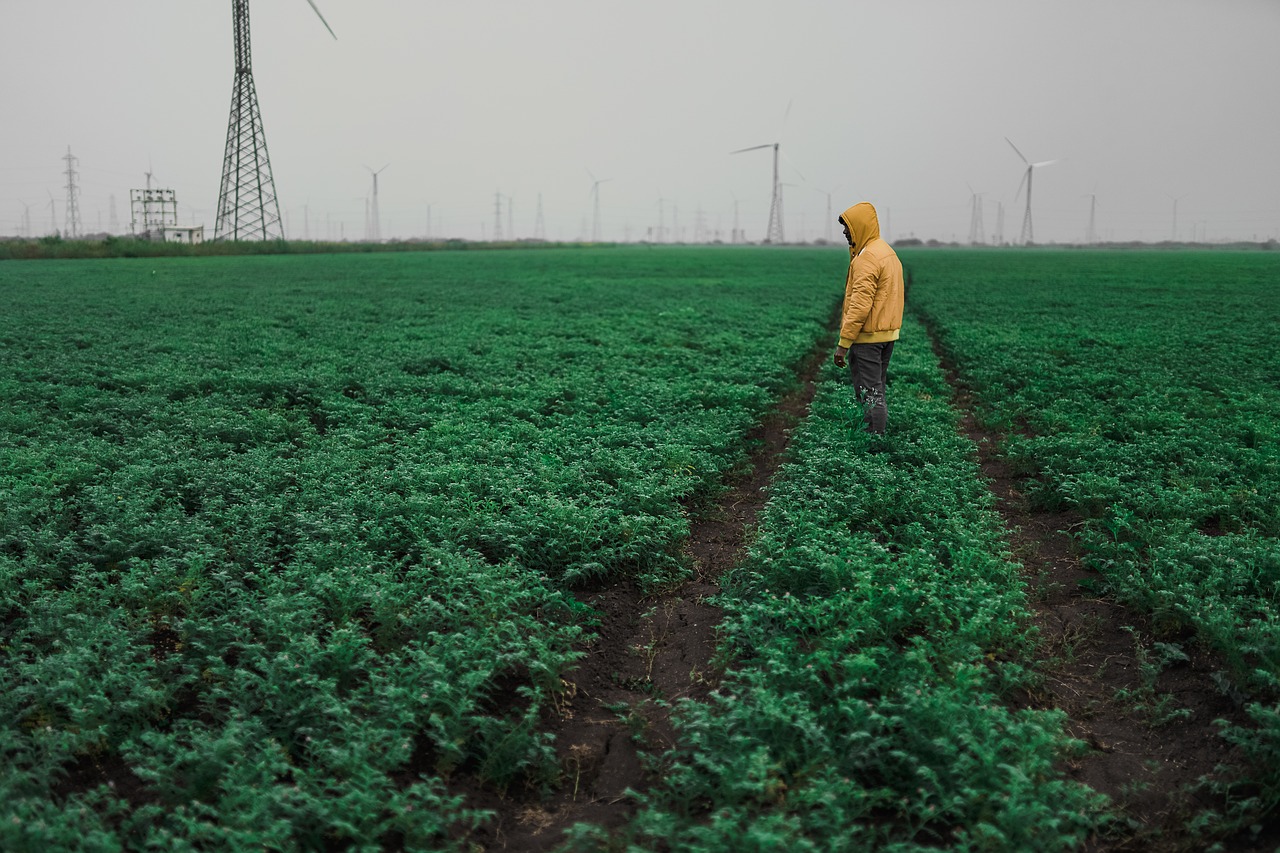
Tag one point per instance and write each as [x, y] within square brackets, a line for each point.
[861, 225]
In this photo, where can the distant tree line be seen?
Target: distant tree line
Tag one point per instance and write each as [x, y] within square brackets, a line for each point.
[55, 247]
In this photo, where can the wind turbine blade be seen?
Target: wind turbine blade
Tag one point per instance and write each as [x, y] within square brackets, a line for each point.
[316, 9]
[753, 148]
[1016, 151]
[1045, 163]
[1025, 175]
[792, 164]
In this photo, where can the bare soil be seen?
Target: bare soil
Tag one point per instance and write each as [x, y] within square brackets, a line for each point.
[650, 652]
[1151, 737]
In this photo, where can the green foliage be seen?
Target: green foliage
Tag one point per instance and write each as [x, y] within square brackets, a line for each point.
[56, 248]
[286, 541]
[1146, 384]
[870, 639]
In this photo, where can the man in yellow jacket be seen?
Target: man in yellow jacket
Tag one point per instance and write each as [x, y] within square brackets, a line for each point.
[872, 315]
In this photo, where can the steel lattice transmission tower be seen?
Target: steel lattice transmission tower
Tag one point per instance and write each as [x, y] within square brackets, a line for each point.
[73, 196]
[247, 204]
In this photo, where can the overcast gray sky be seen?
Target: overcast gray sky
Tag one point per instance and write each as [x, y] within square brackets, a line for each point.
[904, 104]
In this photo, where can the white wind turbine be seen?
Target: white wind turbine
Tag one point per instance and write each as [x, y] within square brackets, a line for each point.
[977, 231]
[1028, 236]
[375, 224]
[595, 205]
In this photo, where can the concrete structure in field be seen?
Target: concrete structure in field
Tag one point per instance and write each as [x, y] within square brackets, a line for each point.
[180, 234]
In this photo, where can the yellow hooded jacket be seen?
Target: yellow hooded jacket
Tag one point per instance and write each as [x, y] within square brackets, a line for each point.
[873, 291]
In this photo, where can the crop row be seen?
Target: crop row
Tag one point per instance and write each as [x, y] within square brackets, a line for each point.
[286, 541]
[873, 639]
[1139, 390]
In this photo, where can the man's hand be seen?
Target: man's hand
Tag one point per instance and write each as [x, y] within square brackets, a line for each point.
[840, 354]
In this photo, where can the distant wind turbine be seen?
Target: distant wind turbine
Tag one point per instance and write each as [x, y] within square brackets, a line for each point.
[1091, 236]
[595, 205]
[977, 231]
[375, 225]
[773, 234]
[826, 232]
[1028, 236]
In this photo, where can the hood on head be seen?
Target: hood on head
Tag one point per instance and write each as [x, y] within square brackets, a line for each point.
[863, 224]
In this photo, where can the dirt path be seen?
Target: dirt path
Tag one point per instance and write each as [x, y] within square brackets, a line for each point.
[1147, 715]
[650, 652]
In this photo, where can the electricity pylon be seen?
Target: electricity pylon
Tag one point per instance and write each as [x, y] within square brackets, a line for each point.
[247, 204]
[73, 196]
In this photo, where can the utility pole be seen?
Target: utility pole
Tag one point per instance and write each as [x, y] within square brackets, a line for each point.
[73, 192]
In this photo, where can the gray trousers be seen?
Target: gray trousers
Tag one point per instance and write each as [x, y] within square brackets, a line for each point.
[869, 370]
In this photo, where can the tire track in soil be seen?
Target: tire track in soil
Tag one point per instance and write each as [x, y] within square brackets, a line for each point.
[657, 647]
[1089, 647]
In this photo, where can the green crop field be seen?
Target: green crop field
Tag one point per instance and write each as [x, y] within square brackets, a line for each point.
[289, 545]
[1143, 391]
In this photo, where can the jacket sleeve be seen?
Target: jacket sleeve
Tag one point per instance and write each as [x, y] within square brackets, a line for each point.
[859, 291]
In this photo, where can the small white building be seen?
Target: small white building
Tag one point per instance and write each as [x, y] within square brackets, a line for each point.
[179, 234]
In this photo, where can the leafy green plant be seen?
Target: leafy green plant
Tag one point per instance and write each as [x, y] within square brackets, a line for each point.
[1173, 463]
[861, 707]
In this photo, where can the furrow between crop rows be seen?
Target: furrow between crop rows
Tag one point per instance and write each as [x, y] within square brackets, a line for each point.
[1096, 656]
[1153, 439]
[871, 638]
[650, 651]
